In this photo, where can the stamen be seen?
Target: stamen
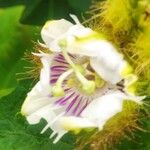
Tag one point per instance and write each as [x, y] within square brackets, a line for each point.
[87, 86]
[57, 90]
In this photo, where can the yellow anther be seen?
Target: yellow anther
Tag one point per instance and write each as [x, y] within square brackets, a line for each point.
[99, 81]
[58, 91]
[63, 43]
[89, 87]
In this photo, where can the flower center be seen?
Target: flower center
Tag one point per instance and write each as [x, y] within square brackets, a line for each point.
[74, 83]
[75, 79]
[82, 77]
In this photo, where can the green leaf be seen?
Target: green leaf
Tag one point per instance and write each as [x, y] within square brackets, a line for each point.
[7, 3]
[79, 6]
[39, 11]
[5, 92]
[16, 133]
[15, 39]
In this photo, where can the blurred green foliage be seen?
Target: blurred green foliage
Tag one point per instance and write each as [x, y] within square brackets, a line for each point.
[15, 39]
[39, 11]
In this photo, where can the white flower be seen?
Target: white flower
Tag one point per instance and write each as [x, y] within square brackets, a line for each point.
[85, 42]
[82, 84]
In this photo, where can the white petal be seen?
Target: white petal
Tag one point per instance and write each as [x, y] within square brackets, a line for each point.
[105, 59]
[49, 113]
[52, 114]
[73, 123]
[109, 55]
[103, 108]
[46, 60]
[53, 30]
[108, 63]
[79, 31]
[53, 118]
[87, 49]
[45, 71]
[84, 41]
[64, 124]
[33, 103]
[39, 95]
[74, 36]
[58, 129]
[110, 74]
[43, 112]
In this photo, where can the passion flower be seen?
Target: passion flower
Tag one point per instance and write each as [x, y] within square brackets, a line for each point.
[83, 81]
